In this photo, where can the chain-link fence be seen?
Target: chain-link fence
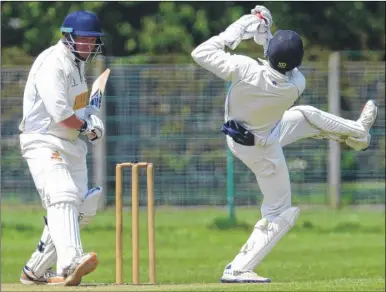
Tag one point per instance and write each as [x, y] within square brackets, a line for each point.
[171, 116]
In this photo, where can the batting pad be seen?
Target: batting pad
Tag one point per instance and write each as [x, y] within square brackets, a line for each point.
[45, 255]
[332, 126]
[89, 206]
[64, 230]
[264, 237]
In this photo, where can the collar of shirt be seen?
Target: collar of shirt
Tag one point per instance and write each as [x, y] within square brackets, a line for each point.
[273, 74]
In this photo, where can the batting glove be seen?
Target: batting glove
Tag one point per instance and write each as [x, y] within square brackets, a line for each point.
[93, 128]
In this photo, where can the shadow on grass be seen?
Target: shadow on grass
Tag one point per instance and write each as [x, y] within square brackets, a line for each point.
[341, 227]
[226, 223]
[29, 228]
[223, 223]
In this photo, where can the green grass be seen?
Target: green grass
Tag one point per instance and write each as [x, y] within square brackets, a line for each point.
[326, 250]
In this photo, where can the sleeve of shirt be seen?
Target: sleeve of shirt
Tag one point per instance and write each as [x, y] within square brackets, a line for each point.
[299, 81]
[52, 86]
[211, 56]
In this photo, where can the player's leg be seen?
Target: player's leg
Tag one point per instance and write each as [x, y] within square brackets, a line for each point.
[81, 264]
[61, 199]
[278, 217]
[39, 267]
[302, 122]
[45, 256]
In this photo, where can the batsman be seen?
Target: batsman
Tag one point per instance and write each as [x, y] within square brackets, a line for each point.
[51, 143]
[260, 120]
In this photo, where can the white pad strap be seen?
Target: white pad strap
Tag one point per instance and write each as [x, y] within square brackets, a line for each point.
[263, 238]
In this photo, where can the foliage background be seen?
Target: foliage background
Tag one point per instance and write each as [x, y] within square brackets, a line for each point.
[162, 108]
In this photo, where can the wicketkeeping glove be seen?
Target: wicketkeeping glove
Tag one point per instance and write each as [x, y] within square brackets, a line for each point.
[263, 34]
[242, 29]
[265, 14]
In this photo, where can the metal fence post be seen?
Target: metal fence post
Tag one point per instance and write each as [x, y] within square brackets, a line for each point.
[334, 175]
[99, 150]
[230, 185]
[230, 177]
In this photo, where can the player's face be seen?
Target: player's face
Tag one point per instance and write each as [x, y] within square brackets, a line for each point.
[85, 45]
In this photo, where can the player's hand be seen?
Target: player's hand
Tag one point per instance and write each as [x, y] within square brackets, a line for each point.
[93, 128]
[263, 13]
[263, 34]
[250, 24]
[242, 29]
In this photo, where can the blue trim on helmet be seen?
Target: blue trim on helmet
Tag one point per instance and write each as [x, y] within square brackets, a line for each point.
[88, 33]
[67, 29]
[81, 33]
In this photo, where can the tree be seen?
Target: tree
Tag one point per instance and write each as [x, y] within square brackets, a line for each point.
[165, 28]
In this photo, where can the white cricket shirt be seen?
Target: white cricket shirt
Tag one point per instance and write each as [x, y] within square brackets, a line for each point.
[56, 87]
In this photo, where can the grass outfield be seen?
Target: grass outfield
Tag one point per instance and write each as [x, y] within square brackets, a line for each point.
[325, 251]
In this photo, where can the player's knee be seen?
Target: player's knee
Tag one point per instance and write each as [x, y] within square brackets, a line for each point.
[310, 114]
[62, 212]
[60, 187]
[294, 118]
[265, 167]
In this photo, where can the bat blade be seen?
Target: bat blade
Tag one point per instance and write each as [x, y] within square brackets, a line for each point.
[98, 89]
[96, 99]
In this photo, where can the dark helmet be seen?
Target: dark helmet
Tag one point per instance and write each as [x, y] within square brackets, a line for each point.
[83, 24]
[285, 51]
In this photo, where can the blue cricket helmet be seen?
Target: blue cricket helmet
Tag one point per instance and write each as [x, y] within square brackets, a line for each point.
[82, 23]
[285, 51]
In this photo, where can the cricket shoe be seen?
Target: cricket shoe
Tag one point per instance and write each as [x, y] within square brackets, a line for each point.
[80, 267]
[232, 276]
[27, 277]
[368, 115]
[366, 119]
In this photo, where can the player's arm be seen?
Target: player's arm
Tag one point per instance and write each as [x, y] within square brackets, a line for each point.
[211, 54]
[73, 122]
[298, 79]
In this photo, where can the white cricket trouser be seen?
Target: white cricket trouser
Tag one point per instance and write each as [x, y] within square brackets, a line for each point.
[268, 162]
[58, 168]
